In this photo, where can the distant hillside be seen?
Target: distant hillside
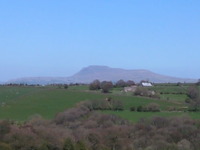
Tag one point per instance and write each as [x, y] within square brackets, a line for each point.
[88, 74]
[91, 73]
[40, 80]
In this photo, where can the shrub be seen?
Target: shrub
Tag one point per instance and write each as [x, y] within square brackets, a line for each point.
[140, 91]
[80, 146]
[130, 83]
[65, 86]
[133, 108]
[105, 104]
[117, 105]
[121, 83]
[4, 146]
[106, 86]
[193, 92]
[139, 108]
[95, 85]
[143, 91]
[153, 107]
[4, 128]
[171, 108]
[68, 145]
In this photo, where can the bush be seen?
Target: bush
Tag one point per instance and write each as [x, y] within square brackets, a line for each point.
[4, 128]
[80, 146]
[188, 100]
[139, 108]
[153, 107]
[106, 104]
[95, 85]
[193, 108]
[65, 86]
[4, 146]
[68, 145]
[171, 108]
[193, 92]
[121, 83]
[194, 101]
[106, 86]
[130, 83]
[117, 105]
[143, 91]
[140, 91]
[132, 108]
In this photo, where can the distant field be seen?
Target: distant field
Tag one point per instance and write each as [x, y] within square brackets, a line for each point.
[174, 97]
[20, 103]
[136, 116]
[8, 94]
[170, 89]
[43, 101]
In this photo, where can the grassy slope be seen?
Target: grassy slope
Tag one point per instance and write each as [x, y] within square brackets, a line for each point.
[8, 94]
[171, 94]
[23, 102]
[170, 89]
[46, 102]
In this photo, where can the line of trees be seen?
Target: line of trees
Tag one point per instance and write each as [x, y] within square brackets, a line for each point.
[105, 104]
[193, 93]
[82, 129]
[106, 86]
[151, 107]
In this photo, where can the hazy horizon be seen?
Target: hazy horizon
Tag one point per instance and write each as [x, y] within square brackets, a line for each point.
[93, 66]
[59, 38]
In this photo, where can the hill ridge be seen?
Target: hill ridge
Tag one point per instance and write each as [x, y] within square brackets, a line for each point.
[90, 73]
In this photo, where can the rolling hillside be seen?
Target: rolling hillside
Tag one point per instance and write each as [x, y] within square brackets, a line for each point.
[88, 74]
[91, 73]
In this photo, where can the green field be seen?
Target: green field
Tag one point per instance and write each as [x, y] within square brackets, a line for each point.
[20, 103]
[170, 89]
[136, 116]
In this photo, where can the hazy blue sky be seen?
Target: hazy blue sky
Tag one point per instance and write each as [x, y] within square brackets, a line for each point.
[59, 37]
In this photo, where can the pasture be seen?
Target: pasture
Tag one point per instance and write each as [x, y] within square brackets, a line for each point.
[22, 102]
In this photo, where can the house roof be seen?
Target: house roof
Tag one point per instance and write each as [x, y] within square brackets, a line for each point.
[146, 84]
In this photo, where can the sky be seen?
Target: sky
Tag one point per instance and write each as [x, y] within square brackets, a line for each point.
[58, 38]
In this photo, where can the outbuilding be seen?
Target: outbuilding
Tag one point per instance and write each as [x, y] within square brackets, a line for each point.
[148, 84]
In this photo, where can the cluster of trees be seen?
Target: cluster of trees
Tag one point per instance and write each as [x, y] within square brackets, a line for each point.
[193, 100]
[19, 84]
[106, 86]
[122, 83]
[82, 129]
[60, 86]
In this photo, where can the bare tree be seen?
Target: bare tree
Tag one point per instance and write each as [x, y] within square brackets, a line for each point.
[95, 85]
[121, 83]
[106, 86]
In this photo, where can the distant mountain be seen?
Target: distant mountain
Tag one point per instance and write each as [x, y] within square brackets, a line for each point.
[91, 73]
[88, 74]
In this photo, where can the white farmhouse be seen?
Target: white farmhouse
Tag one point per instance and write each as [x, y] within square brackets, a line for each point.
[146, 84]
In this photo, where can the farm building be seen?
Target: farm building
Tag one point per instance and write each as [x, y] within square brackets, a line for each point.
[146, 84]
[130, 89]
